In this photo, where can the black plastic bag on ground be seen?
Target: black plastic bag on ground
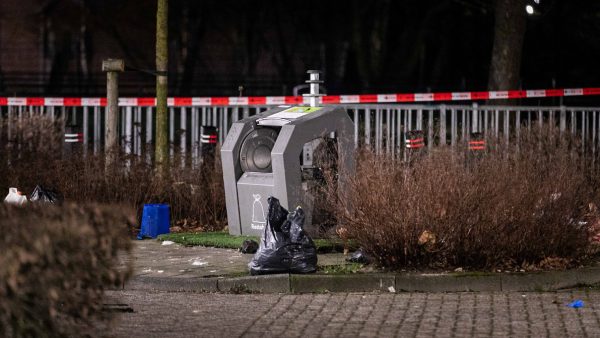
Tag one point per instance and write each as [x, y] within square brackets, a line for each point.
[284, 246]
[45, 195]
[249, 246]
[359, 257]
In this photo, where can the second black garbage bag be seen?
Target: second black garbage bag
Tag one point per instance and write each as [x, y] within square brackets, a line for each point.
[284, 246]
[46, 195]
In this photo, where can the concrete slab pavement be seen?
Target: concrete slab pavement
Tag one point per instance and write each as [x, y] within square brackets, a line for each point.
[173, 267]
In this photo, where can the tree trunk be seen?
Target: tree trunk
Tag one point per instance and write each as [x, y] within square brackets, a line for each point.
[162, 145]
[360, 51]
[370, 39]
[509, 30]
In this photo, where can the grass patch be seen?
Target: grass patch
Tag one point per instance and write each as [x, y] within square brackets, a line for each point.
[227, 241]
[341, 269]
[210, 239]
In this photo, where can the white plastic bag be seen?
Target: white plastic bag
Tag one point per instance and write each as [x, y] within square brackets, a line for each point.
[14, 197]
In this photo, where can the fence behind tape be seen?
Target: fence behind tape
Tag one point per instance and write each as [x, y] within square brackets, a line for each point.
[381, 126]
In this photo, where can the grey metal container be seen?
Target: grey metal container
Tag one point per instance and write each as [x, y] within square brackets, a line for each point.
[261, 157]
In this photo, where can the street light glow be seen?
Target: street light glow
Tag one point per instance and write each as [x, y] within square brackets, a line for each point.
[529, 9]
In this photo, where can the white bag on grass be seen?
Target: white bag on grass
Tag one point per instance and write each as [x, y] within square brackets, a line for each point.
[14, 197]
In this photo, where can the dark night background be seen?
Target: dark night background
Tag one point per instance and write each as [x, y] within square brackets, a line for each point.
[55, 48]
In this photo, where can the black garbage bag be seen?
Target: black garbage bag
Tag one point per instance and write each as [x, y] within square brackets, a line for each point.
[284, 246]
[249, 246]
[45, 195]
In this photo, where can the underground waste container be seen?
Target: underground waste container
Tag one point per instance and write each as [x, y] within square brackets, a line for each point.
[270, 153]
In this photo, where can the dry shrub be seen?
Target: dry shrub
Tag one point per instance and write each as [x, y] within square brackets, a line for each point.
[508, 207]
[56, 263]
[194, 194]
[31, 134]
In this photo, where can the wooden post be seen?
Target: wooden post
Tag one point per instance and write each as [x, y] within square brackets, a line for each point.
[112, 67]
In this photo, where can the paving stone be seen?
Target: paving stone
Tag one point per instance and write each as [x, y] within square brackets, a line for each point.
[497, 314]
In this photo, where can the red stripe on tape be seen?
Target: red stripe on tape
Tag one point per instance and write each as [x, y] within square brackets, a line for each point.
[517, 94]
[405, 97]
[3, 101]
[331, 99]
[477, 148]
[72, 101]
[480, 95]
[591, 91]
[35, 101]
[294, 99]
[145, 102]
[442, 96]
[182, 101]
[257, 100]
[103, 101]
[555, 92]
[367, 98]
[476, 142]
[219, 101]
[415, 140]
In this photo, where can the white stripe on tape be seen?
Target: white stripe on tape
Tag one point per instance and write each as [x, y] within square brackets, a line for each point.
[128, 101]
[499, 95]
[424, 97]
[574, 92]
[238, 101]
[90, 101]
[536, 93]
[54, 101]
[275, 100]
[17, 101]
[387, 98]
[200, 101]
[461, 96]
[349, 99]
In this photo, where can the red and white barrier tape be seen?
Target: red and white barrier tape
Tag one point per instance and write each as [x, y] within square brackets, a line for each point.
[210, 139]
[74, 138]
[277, 100]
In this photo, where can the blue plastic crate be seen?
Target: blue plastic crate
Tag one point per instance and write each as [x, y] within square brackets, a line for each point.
[155, 220]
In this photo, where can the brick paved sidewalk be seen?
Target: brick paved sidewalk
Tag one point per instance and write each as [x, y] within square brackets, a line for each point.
[162, 314]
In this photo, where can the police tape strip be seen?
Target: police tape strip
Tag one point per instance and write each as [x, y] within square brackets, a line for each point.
[74, 138]
[212, 138]
[279, 100]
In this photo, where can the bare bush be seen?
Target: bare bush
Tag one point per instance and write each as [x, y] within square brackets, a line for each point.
[56, 263]
[507, 207]
[33, 155]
